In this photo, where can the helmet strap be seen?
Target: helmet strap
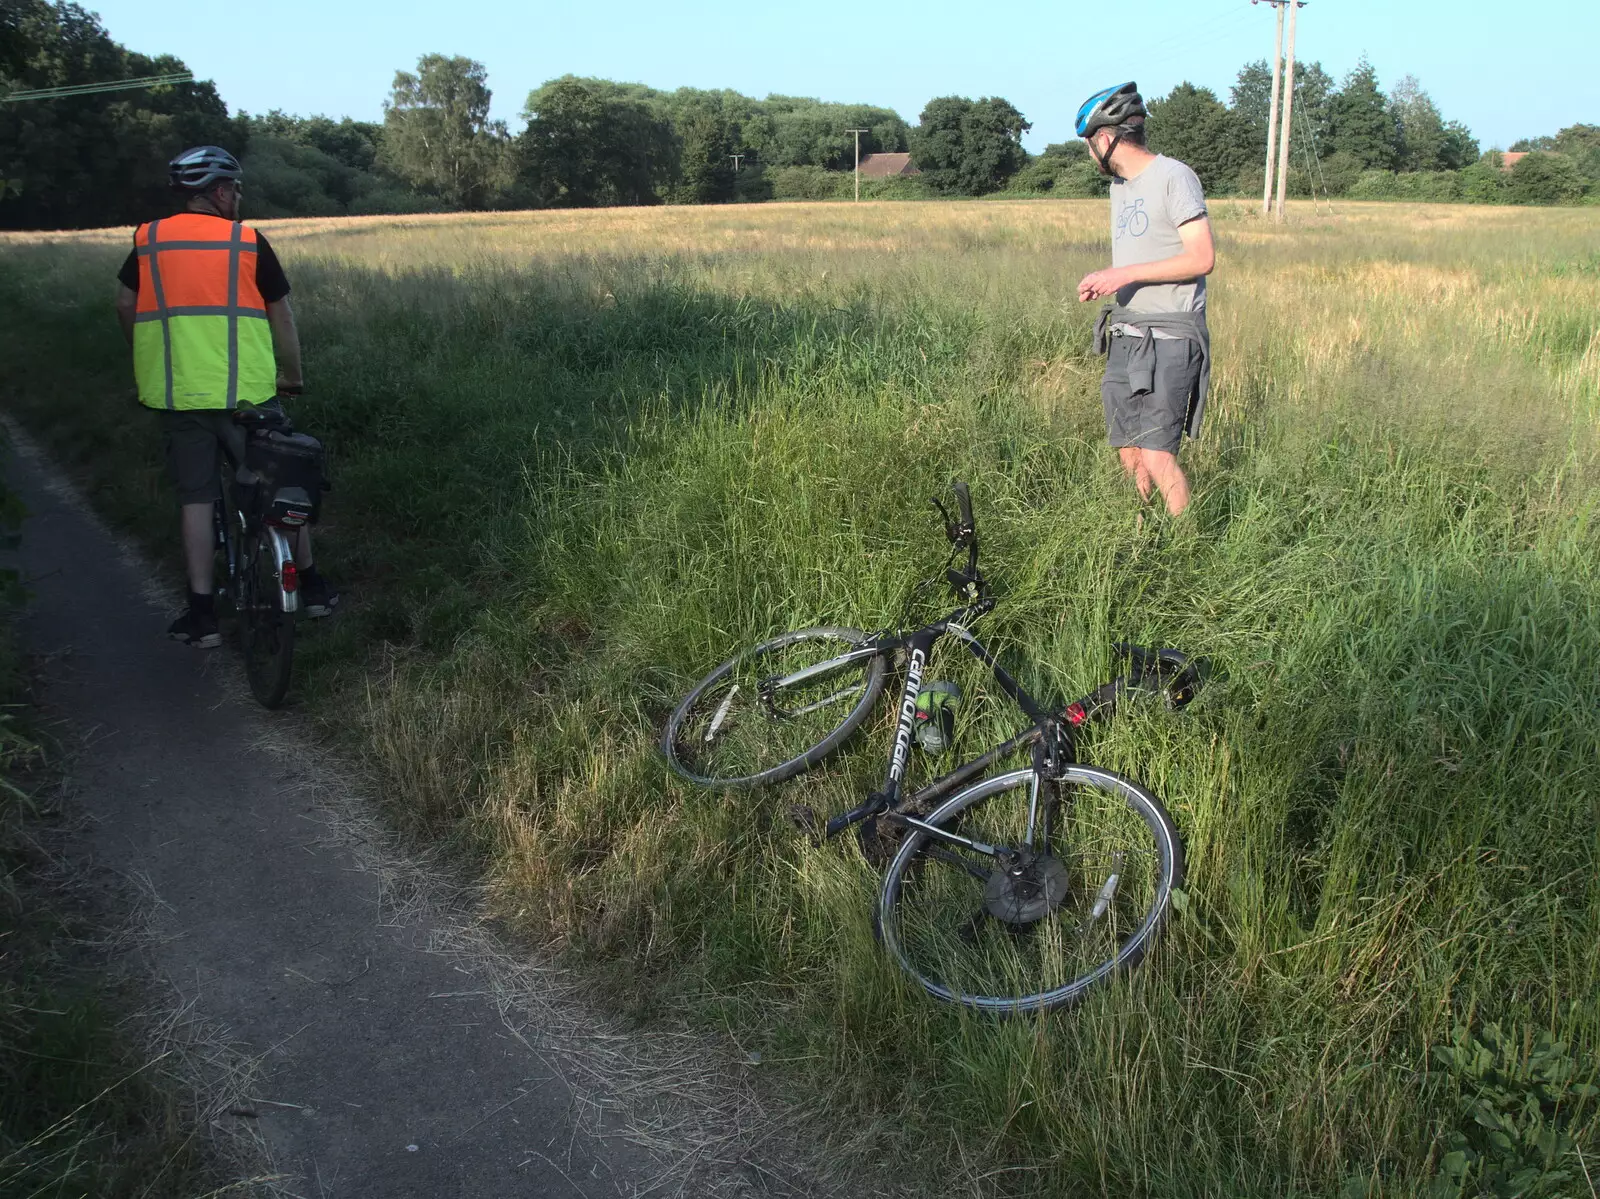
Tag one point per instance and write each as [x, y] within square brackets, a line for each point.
[1105, 159]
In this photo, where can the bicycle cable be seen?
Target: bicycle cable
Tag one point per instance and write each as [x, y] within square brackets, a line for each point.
[921, 589]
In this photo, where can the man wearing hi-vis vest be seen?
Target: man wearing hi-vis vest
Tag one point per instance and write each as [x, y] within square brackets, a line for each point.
[205, 305]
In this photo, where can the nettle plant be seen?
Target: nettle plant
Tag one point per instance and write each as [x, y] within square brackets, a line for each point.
[1522, 1100]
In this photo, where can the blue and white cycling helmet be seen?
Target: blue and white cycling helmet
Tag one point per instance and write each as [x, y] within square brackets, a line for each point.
[1119, 108]
[1111, 106]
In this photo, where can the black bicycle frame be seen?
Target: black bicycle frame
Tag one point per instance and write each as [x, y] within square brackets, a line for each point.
[918, 646]
[1060, 747]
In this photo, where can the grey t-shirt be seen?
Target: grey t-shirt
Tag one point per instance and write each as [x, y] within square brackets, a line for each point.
[1145, 214]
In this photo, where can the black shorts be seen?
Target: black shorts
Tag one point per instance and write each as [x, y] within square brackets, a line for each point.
[1151, 420]
[195, 444]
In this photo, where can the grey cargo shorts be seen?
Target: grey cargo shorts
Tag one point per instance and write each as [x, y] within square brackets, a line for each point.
[1151, 420]
[195, 443]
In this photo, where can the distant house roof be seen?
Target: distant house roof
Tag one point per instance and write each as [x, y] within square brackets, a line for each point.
[881, 166]
[1507, 160]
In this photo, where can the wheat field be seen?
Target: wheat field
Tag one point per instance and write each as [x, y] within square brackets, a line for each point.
[581, 457]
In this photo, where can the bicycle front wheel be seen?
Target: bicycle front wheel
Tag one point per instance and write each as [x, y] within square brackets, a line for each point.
[1031, 903]
[266, 631]
[776, 709]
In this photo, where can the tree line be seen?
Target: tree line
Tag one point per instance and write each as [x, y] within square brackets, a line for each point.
[100, 160]
[1354, 140]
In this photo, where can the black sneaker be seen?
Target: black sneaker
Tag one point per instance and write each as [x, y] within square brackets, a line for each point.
[318, 597]
[198, 629]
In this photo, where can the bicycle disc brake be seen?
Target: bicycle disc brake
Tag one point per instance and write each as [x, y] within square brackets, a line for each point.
[1025, 887]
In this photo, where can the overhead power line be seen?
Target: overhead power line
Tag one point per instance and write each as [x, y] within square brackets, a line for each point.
[1223, 30]
[95, 89]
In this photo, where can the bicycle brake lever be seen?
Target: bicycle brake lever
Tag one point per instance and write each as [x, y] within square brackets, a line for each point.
[951, 530]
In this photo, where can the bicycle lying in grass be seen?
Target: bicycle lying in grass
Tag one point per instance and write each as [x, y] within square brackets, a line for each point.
[253, 523]
[1008, 893]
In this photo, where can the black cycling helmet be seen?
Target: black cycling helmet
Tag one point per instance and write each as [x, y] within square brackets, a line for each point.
[198, 170]
[1112, 106]
[1120, 108]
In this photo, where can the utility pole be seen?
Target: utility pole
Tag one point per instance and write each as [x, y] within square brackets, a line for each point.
[858, 133]
[1272, 121]
[1288, 110]
[736, 158]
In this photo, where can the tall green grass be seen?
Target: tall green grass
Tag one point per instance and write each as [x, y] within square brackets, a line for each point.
[582, 458]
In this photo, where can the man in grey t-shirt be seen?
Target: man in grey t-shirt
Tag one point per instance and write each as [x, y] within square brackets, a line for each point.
[1158, 350]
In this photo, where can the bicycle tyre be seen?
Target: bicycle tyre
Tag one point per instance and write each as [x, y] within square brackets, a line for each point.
[890, 926]
[266, 630]
[677, 740]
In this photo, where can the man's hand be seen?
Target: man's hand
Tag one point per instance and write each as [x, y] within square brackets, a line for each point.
[1197, 259]
[1102, 283]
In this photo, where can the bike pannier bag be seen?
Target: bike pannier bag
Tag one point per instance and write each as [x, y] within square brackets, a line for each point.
[289, 470]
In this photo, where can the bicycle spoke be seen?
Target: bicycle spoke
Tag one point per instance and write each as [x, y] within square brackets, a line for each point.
[769, 707]
[849, 693]
[977, 871]
[1027, 921]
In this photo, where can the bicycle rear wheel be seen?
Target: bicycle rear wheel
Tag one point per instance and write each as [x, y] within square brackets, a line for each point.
[775, 710]
[1021, 920]
[265, 629]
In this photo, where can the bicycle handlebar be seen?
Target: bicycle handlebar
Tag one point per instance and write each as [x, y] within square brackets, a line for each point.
[967, 584]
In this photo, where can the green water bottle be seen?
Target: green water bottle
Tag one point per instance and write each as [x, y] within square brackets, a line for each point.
[936, 716]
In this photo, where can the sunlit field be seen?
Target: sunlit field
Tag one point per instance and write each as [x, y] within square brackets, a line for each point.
[582, 457]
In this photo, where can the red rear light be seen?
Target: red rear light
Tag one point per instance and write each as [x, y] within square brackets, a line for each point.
[291, 578]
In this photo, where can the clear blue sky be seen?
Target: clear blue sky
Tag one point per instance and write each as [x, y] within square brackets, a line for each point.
[1507, 72]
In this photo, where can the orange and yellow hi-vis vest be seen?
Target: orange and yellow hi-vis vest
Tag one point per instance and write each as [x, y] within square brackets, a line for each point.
[200, 336]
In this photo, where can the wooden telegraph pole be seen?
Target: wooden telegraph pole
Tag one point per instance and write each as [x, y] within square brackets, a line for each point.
[858, 133]
[1272, 121]
[1288, 109]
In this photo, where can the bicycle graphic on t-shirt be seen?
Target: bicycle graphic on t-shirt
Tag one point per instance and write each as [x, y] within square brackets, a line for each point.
[1133, 220]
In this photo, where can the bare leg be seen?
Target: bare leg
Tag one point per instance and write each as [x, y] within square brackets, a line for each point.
[1168, 475]
[1134, 467]
[302, 548]
[199, 547]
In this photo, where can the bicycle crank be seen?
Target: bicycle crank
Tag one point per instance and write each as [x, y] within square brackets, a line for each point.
[1025, 887]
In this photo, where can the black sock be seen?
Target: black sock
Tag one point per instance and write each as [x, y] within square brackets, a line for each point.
[310, 577]
[203, 605]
